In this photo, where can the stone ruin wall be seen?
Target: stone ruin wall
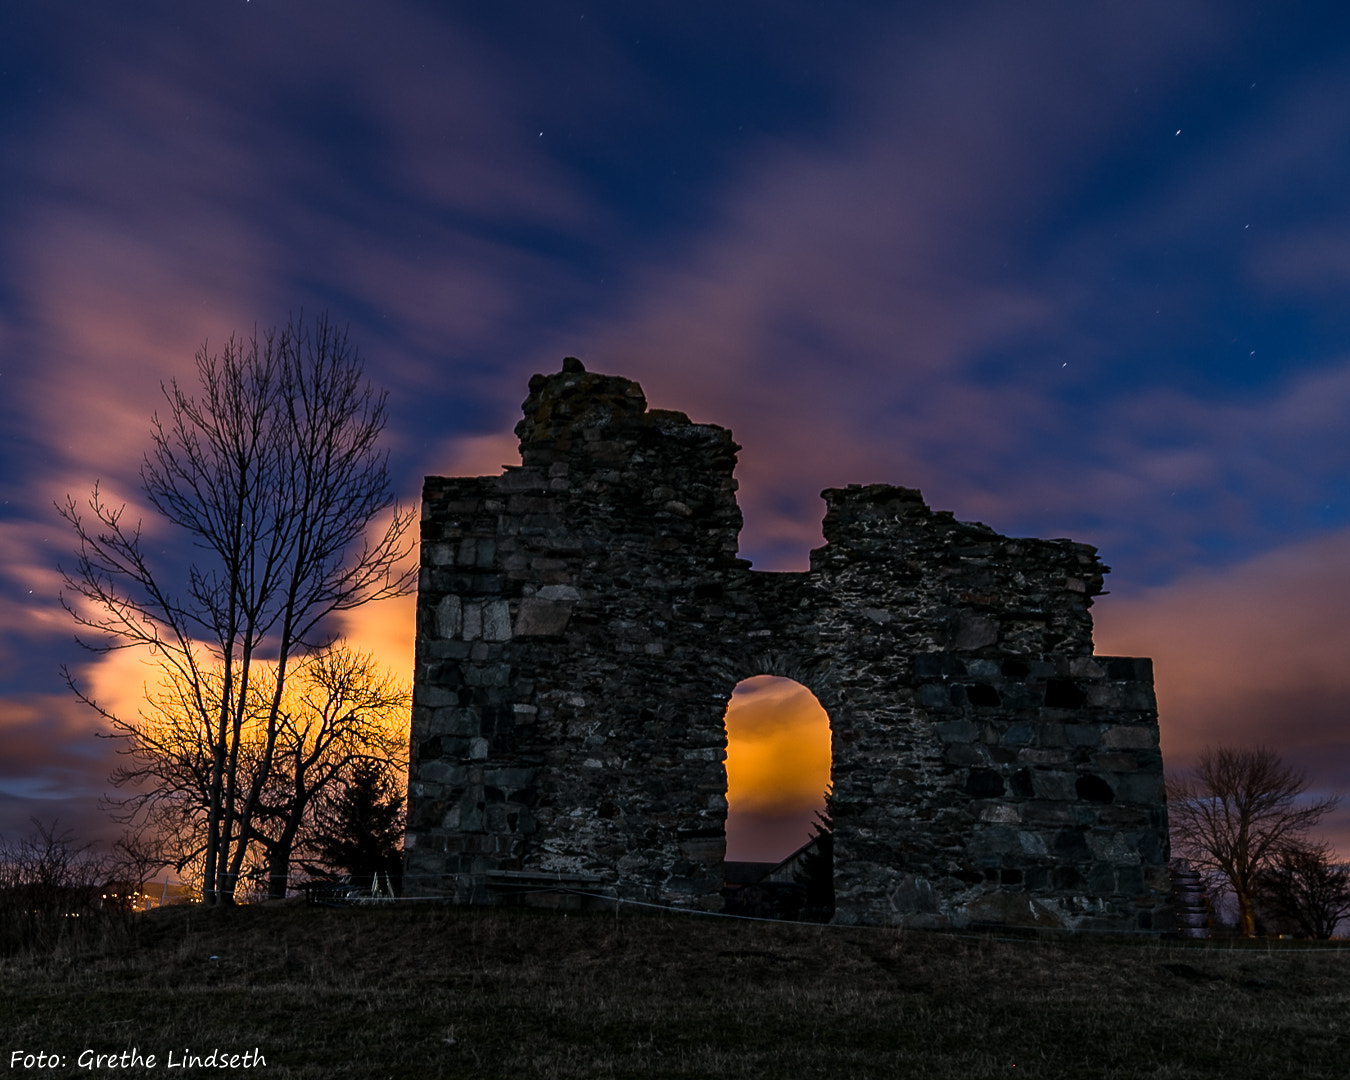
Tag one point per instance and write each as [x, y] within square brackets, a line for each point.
[583, 618]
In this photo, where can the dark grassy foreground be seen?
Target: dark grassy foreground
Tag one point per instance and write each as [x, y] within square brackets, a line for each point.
[438, 992]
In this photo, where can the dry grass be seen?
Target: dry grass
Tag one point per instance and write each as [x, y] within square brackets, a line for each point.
[440, 992]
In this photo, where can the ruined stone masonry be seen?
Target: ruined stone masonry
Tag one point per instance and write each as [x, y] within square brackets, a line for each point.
[583, 617]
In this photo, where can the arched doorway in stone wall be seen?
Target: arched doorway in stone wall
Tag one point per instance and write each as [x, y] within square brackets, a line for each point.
[778, 863]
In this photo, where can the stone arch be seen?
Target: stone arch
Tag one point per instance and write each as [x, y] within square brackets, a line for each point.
[779, 856]
[779, 759]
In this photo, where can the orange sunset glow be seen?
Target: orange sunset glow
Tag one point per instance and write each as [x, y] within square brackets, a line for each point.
[778, 767]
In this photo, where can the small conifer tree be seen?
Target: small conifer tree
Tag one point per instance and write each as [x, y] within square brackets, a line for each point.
[361, 828]
[816, 871]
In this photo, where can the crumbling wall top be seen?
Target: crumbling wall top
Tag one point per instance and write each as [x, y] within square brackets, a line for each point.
[577, 414]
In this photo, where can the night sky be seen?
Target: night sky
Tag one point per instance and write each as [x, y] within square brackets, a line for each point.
[1071, 269]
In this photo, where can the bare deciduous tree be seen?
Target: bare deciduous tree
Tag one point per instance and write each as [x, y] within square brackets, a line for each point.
[51, 888]
[1304, 891]
[1237, 812]
[338, 709]
[272, 477]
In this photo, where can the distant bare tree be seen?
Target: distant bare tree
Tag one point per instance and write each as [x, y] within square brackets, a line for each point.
[136, 857]
[51, 887]
[1237, 813]
[1305, 891]
[272, 479]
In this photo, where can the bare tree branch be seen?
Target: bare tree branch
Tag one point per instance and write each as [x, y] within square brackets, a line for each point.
[1304, 892]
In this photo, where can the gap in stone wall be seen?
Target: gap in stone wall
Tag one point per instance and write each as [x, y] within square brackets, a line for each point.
[779, 529]
[778, 768]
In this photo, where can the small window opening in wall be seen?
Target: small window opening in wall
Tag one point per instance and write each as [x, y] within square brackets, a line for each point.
[779, 856]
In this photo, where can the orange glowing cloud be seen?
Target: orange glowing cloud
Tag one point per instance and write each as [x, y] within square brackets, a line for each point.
[778, 747]
[385, 630]
[778, 767]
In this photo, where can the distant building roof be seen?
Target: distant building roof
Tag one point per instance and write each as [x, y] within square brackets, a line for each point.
[745, 873]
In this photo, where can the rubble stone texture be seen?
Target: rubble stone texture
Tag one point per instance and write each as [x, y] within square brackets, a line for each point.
[583, 617]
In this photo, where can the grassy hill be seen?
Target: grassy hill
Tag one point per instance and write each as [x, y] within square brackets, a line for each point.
[422, 991]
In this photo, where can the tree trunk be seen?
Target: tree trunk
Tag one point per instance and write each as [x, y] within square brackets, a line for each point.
[278, 872]
[1246, 914]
